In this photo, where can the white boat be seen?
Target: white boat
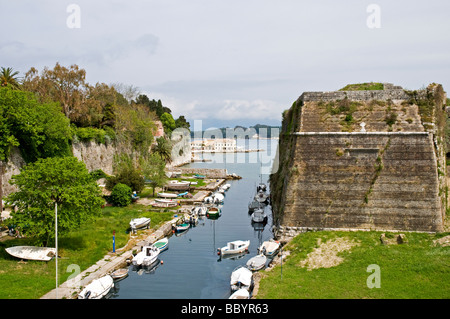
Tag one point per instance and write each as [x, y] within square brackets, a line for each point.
[119, 273]
[254, 205]
[162, 244]
[165, 201]
[177, 185]
[240, 294]
[226, 186]
[269, 248]
[167, 195]
[140, 222]
[209, 200]
[262, 197]
[259, 216]
[164, 204]
[146, 256]
[256, 263]
[200, 210]
[218, 198]
[181, 227]
[234, 247]
[97, 289]
[241, 278]
[32, 252]
[261, 187]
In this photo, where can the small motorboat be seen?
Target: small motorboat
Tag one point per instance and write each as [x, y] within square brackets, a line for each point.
[241, 278]
[261, 187]
[97, 289]
[168, 195]
[209, 200]
[254, 205]
[262, 197]
[199, 176]
[146, 256]
[269, 248]
[218, 198]
[162, 244]
[119, 273]
[259, 216]
[234, 247]
[181, 227]
[200, 210]
[214, 212]
[257, 263]
[140, 222]
[240, 294]
[177, 185]
[32, 252]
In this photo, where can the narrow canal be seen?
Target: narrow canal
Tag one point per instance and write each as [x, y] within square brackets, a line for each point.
[191, 267]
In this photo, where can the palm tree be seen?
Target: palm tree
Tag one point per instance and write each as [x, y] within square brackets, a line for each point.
[163, 149]
[7, 76]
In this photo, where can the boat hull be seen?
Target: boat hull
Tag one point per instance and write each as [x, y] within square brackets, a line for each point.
[32, 252]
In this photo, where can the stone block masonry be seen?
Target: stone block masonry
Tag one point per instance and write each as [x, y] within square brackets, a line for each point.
[371, 180]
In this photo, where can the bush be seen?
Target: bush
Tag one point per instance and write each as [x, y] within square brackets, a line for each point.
[98, 174]
[121, 195]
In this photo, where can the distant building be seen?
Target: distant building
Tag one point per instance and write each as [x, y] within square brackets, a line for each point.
[214, 145]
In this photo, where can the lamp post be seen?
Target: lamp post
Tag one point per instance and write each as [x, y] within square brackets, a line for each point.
[56, 245]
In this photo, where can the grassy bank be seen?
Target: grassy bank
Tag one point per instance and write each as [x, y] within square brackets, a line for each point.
[82, 247]
[417, 269]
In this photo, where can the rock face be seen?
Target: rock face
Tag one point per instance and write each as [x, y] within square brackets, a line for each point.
[387, 174]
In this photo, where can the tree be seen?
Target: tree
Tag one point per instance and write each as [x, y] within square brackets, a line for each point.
[8, 77]
[64, 181]
[181, 122]
[38, 129]
[168, 122]
[126, 173]
[153, 169]
[163, 148]
[121, 195]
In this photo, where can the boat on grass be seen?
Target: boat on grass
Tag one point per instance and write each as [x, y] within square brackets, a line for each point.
[257, 263]
[146, 256]
[140, 222]
[167, 195]
[179, 186]
[97, 289]
[241, 278]
[32, 252]
[234, 247]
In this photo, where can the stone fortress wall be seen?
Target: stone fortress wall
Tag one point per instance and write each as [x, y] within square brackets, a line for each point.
[380, 177]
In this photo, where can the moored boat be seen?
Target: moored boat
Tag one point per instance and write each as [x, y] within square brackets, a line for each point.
[234, 247]
[259, 216]
[162, 244]
[146, 256]
[97, 289]
[269, 248]
[257, 263]
[241, 278]
[213, 212]
[240, 294]
[119, 273]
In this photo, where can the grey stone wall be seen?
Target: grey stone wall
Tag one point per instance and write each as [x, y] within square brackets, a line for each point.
[378, 181]
[382, 95]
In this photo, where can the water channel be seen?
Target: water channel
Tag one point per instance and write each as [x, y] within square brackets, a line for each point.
[191, 267]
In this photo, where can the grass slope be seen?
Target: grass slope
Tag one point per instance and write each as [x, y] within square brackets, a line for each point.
[413, 270]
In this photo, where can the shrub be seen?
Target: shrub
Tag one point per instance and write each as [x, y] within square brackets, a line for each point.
[121, 195]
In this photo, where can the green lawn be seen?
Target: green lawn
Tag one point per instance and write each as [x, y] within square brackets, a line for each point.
[83, 247]
[413, 270]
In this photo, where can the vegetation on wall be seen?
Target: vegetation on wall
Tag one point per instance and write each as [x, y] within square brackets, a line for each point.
[363, 86]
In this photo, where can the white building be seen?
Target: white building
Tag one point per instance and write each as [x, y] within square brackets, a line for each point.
[214, 145]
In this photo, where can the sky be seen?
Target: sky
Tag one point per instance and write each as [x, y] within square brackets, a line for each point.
[234, 62]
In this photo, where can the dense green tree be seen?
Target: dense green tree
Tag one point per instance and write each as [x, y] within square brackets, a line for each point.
[182, 123]
[64, 181]
[121, 195]
[168, 122]
[126, 172]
